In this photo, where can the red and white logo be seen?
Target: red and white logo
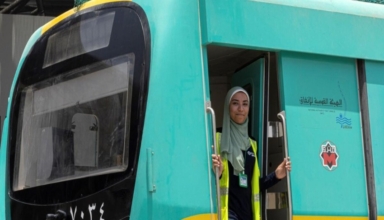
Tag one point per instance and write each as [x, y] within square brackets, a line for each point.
[329, 155]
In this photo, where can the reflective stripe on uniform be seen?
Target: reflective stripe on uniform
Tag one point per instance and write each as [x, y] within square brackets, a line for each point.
[256, 197]
[224, 191]
[224, 184]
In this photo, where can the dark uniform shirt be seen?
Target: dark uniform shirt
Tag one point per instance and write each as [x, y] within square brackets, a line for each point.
[240, 198]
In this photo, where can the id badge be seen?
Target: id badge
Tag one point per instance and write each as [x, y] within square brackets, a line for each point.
[243, 180]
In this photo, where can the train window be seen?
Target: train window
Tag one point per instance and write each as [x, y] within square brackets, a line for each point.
[75, 125]
[79, 38]
[78, 109]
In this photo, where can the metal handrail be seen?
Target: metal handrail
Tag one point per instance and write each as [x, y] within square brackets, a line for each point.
[281, 116]
[210, 110]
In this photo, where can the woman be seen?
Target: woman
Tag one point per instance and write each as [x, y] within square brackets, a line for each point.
[240, 181]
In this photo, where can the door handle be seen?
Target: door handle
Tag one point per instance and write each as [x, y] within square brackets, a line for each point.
[212, 112]
[275, 129]
[281, 116]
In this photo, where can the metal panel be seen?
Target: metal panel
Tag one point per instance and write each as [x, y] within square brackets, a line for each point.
[176, 126]
[320, 98]
[313, 26]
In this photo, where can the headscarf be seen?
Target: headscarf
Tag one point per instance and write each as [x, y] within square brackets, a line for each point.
[234, 138]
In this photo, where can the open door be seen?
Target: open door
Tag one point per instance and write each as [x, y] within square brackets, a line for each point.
[319, 95]
[259, 79]
[251, 78]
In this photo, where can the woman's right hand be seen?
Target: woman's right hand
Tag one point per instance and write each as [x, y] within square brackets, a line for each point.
[216, 162]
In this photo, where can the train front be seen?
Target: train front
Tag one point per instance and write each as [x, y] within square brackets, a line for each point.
[76, 115]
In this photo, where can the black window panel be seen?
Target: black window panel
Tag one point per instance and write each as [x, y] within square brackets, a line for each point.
[130, 34]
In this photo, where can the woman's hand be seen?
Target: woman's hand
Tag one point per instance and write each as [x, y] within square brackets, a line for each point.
[216, 162]
[281, 170]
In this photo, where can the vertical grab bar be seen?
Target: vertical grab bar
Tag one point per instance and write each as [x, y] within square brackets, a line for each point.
[210, 110]
[281, 116]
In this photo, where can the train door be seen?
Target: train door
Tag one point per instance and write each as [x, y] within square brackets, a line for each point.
[259, 78]
[320, 99]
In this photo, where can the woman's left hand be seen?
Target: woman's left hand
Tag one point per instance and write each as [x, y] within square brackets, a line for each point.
[281, 170]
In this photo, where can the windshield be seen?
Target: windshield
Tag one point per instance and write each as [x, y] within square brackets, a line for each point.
[75, 124]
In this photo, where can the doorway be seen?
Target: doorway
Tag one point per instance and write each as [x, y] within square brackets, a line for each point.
[256, 72]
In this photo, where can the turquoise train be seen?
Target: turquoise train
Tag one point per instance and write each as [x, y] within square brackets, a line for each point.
[114, 106]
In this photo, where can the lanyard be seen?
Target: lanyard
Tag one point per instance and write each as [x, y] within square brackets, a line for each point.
[245, 159]
[243, 178]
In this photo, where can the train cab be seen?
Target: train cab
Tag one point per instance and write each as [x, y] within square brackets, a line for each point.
[77, 115]
[115, 106]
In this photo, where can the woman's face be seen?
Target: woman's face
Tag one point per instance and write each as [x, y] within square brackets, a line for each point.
[239, 107]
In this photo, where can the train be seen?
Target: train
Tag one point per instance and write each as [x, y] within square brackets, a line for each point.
[114, 107]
